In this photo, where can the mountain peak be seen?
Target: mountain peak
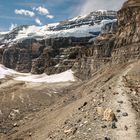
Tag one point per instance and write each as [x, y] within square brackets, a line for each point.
[89, 25]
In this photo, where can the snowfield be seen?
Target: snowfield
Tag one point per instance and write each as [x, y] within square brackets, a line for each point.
[28, 77]
[44, 32]
[61, 77]
[7, 72]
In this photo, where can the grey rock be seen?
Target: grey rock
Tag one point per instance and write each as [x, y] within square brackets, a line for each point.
[113, 126]
[107, 138]
[104, 126]
[125, 114]
[118, 110]
[120, 102]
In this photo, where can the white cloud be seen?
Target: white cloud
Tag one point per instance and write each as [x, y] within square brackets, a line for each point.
[50, 16]
[91, 5]
[12, 26]
[24, 12]
[42, 10]
[37, 20]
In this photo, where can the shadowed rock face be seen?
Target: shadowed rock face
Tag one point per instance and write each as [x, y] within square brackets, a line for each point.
[19, 56]
[50, 55]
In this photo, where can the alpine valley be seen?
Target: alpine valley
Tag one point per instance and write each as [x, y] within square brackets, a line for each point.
[78, 79]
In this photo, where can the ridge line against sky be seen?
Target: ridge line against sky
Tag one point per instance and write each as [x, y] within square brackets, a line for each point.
[42, 12]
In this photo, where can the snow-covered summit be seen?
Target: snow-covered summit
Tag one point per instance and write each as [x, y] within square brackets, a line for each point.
[82, 26]
[91, 19]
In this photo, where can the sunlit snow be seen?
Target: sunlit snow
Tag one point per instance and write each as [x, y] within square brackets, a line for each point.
[61, 77]
[44, 32]
[28, 77]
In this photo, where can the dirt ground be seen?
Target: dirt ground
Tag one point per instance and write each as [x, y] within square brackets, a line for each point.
[68, 111]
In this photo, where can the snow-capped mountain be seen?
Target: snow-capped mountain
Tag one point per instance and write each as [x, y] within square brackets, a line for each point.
[82, 26]
[94, 18]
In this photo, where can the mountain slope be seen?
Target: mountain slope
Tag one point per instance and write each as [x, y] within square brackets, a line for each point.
[103, 104]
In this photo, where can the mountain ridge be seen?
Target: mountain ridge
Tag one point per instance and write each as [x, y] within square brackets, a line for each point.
[67, 28]
[103, 104]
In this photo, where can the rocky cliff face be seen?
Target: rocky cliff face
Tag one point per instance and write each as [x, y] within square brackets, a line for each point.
[117, 44]
[19, 56]
[127, 40]
[50, 55]
[129, 27]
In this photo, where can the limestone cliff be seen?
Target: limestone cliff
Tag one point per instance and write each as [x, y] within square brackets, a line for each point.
[121, 45]
[127, 40]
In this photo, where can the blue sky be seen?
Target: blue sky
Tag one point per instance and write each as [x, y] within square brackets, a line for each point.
[41, 12]
[60, 9]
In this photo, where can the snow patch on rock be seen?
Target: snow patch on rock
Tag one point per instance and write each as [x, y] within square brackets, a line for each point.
[28, 77]
[61, 77]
